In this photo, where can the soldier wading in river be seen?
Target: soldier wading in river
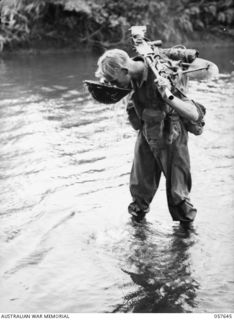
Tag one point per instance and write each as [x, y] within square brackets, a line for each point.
[163, 124]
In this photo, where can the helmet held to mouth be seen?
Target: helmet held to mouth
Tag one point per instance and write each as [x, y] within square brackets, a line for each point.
[104, 93]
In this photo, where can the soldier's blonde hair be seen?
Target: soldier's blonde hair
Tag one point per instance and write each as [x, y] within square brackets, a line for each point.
[110, 62]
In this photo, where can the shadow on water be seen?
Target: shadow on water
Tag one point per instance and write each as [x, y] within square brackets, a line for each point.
[159, 264]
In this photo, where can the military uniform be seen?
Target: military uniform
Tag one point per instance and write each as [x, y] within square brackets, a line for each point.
[161, 147]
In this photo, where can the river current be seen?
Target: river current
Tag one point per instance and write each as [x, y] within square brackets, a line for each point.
[67, 241]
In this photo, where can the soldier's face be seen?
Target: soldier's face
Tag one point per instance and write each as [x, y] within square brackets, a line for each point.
[121, 78]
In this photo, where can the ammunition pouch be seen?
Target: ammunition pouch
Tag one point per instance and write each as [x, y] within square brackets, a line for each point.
[196, 127]
[172, 127]
[153, 126]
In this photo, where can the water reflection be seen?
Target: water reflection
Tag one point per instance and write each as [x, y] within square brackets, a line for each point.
[159, 263]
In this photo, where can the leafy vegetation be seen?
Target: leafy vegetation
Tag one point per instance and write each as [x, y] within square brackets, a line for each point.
[106, 22]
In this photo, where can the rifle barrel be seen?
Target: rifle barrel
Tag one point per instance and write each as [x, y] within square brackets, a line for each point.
[194, 70]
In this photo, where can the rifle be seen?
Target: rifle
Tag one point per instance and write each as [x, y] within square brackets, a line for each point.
[164, 62]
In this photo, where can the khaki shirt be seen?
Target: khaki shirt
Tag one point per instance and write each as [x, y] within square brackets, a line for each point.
[148, 102]
[145, 94]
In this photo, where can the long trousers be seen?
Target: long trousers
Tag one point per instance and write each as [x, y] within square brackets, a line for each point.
[173, 161]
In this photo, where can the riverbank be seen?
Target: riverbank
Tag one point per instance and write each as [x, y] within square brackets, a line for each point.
[45, 46]
[71, 25]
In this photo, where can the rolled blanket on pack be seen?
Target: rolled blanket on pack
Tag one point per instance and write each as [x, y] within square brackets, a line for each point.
[181, 53]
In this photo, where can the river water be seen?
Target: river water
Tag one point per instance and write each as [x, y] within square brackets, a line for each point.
[67, 241]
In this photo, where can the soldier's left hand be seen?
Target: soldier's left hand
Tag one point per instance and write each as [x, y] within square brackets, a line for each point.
[162, 84]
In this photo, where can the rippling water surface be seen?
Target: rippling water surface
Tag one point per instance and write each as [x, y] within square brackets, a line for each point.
[67, 242]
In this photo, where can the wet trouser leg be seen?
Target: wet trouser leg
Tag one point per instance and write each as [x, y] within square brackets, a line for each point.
[175, 162]
[145, 174]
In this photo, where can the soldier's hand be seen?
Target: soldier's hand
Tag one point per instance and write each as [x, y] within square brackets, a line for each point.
[162, 84]
[103, 80]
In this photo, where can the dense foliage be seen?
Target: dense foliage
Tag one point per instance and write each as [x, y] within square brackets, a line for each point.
[106, 22]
